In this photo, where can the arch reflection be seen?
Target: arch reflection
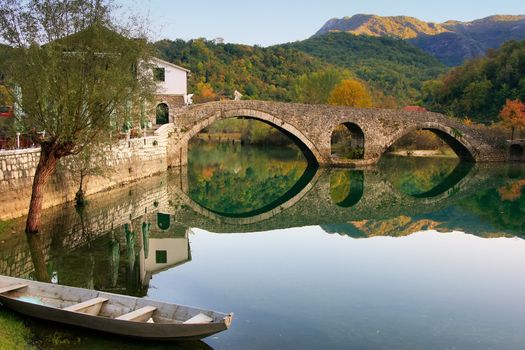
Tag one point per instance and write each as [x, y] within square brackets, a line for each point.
[346, 187]
[421, 177]
[242, 181]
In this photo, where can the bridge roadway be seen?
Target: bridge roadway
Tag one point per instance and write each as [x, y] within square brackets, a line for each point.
[311, 126]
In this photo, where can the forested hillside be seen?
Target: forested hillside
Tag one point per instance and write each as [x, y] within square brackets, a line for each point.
[258, 73]
[478, 89]
[388, 64]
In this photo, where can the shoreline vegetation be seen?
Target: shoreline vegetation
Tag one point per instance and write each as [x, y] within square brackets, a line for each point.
[14, 333]
[21, 333]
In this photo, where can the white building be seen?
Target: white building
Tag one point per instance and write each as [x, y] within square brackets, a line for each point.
[172, 89]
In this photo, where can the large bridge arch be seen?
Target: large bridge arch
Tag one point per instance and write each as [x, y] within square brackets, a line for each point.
[454, 138]
[304, 143]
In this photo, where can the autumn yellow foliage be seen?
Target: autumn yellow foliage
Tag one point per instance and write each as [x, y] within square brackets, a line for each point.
[513, 114]
[351, 93]
[205, 93]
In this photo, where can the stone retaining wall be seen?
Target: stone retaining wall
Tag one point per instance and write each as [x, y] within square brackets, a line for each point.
[128, 161]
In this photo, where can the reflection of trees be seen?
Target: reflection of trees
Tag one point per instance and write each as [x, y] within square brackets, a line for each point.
[346, 187]
[243, 182]
[460, 171]
[503, 207]
[36, 245]
[146, 226]
[414, 176]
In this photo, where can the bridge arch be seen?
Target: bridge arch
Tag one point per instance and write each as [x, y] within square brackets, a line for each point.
[451, 136]
[304, 143]
[353, 148]
[515, 152]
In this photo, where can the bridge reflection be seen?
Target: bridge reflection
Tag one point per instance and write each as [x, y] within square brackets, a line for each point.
[125, 237]
[337, 193]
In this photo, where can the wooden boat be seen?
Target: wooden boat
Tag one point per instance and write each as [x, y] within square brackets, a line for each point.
[107, 312]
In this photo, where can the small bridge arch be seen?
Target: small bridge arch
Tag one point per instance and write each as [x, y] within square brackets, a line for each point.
[451, 136]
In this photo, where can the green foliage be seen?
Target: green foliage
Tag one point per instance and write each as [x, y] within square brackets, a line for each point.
[256, 72]
[71, 90]
[420, 140]
[480, 87]
[343, 144]
[14, 335]
[235, 180]
[304, 71]
[503, 207]
[386, 64]
[417, 175]
[316, 87]
[250, 132]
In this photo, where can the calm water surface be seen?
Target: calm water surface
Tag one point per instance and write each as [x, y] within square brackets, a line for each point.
[412, 254]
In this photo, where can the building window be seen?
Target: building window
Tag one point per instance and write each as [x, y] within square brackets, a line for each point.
[159, 74]
[161, 256]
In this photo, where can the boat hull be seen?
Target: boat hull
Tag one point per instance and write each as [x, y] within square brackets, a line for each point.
[142, 330]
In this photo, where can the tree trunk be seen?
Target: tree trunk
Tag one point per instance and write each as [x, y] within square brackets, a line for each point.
[46, 166]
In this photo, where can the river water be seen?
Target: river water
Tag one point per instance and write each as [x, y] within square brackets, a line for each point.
[416, 253]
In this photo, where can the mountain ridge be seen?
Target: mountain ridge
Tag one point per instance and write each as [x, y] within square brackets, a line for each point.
[452, 42]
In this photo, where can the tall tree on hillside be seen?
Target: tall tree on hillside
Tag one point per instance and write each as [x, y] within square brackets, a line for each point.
[513, 115]
[73, 74]
[351, 93]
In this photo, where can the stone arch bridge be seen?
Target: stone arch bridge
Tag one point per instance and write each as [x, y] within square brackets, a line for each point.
[311, 127]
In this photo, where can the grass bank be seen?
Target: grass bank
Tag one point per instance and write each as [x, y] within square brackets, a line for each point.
[20, 333]
[14, 334]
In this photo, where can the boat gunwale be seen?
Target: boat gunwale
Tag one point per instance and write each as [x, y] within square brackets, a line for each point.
[222, 318]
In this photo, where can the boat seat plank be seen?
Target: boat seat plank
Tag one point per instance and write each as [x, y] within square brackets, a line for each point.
[200, 318]
[91, 306]
[12, 287]
[142, 314]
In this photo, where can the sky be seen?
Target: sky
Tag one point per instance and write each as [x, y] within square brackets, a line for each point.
[269, 22]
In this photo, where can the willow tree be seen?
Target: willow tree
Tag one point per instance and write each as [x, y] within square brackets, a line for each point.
[73, 74]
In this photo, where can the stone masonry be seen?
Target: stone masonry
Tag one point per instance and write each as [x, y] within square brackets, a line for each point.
[312, 126]
[128, 161]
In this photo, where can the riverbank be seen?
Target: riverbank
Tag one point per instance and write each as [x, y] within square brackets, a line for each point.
[14, 334]
[20, 333]
[127, 161]
[424, 153]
